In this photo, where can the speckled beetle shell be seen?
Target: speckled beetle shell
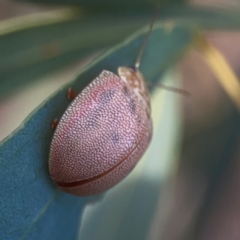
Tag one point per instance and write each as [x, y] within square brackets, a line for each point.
[103, 133]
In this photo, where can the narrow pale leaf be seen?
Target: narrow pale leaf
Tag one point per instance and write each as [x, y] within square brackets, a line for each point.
[128, 210]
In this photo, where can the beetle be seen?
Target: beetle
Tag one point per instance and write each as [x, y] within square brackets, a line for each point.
[103, 133]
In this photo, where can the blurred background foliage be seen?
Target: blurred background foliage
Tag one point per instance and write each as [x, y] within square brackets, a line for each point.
[45, 42]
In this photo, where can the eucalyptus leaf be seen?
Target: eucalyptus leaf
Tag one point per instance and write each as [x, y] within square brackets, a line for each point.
[110, 6]
[201, 17]
[31, 206]
[33, 52]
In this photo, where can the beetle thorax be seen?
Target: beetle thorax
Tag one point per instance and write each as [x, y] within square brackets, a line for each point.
[136, 81]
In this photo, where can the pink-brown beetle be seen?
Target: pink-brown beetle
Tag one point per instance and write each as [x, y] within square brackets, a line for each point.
[103, 133]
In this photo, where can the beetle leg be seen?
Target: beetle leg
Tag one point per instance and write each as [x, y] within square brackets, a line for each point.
[54, 123]
[71, 94]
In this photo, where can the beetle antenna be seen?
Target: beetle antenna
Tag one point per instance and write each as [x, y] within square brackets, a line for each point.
[171, 89]
[139, 57]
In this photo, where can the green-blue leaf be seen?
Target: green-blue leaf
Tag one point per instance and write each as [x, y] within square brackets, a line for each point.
[31, 206]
